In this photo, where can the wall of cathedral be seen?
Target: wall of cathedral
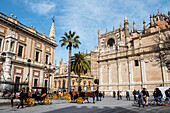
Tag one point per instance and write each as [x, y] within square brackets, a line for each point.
[130, 61]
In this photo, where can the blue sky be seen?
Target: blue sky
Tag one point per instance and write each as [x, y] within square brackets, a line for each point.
[82, 16]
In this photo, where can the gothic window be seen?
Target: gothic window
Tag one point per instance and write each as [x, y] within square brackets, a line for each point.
[37, 56]
[59, 82]
[55, 84]
[63, 84]
[136, 63]
[20, 51]
[110, 42]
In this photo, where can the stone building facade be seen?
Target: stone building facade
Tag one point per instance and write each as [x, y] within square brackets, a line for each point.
[61, 78]
[32, 45]
[126, 60]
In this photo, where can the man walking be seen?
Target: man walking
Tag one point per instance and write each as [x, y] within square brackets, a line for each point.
[127, 95]
[21, 97]
[114, 94]
[134, 94]
[118, 95]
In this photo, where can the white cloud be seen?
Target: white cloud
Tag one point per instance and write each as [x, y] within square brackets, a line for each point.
[43, 8]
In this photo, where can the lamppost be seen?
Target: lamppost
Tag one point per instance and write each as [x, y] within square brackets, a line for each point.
[27, 78]
[49, 70]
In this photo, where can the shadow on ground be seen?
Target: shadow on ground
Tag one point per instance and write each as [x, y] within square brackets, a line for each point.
[84, 109]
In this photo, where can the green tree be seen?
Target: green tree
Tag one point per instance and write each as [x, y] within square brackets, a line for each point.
[70, 40]
[80, 64]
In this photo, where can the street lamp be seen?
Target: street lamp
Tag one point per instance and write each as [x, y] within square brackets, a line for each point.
[28, 64]
[49, 70]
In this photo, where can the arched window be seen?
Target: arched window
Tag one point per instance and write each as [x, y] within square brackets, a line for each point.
[59, 82]
[63, 84]
[55, 84]
[110, 42]
[84, 83]
[12, 46]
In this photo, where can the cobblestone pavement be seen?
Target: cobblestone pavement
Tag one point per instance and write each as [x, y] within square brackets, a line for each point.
[107, 105]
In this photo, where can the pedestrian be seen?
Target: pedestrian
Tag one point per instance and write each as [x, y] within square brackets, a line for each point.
[12, 97]
[127, 95]
[79, 89]
[141, 99]
[167, 93]
[114, 93]
[145, 95]
[100, 95]
[21, 97]
[97, 95]
[118, 95]
[103, 94]
[134, 94]
[158, 95]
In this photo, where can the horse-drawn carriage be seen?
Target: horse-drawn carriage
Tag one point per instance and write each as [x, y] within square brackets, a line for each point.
[40, 96]
[74, 96]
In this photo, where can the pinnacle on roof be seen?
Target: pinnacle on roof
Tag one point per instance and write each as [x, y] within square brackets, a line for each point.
[52, 31]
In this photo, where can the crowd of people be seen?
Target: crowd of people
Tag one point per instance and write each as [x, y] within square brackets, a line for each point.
[142, 96]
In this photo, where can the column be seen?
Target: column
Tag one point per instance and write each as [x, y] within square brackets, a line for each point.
[118, 75]
[143, 74]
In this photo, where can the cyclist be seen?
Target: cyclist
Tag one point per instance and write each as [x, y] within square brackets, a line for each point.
[167, 93]
[158, 95]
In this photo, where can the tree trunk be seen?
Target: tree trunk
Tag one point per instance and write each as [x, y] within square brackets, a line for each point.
[69, 70]
[79, 83]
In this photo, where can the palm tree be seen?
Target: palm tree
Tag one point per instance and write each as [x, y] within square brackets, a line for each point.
[70, 40]
[80, 64]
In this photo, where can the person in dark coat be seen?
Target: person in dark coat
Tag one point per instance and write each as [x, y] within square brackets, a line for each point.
[167, 93]
[158, 95]
[21, 97]
[100, 95]
[114, 94]
[118, 94]
[134, 94]
[127, 95]
[97, 95]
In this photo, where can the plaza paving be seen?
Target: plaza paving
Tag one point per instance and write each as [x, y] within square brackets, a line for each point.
[107, 105]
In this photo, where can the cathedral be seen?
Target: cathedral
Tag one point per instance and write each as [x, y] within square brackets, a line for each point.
[128, 60]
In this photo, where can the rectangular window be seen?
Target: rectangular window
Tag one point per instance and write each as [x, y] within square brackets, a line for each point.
[35, 82]
[136, 63]
[46, 59]
[45, 84]
[37, 56]
[20, 51]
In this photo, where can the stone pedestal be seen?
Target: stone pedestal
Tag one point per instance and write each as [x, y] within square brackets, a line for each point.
[6, 77]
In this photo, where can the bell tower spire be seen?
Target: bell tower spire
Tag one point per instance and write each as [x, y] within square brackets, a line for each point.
[52, 31]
